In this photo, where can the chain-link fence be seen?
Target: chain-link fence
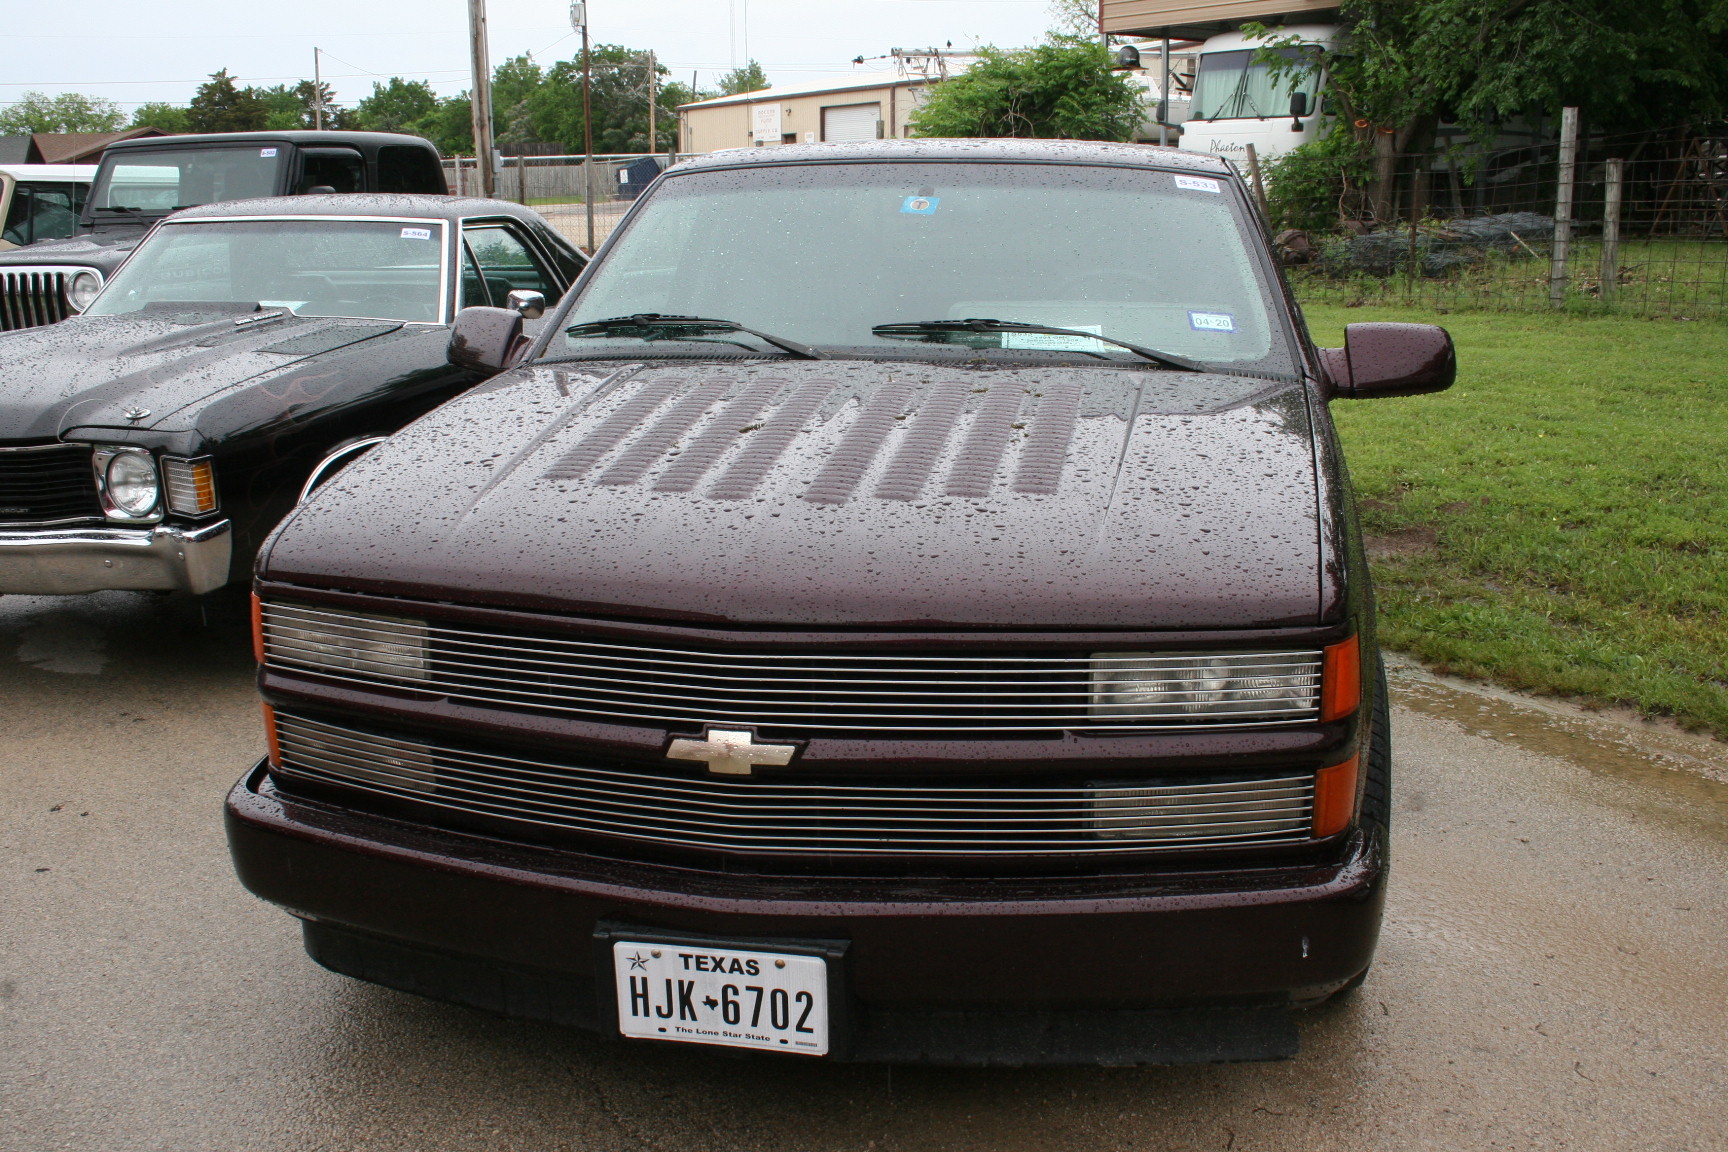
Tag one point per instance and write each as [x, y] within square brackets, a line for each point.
[1643, 231]
[561, 188]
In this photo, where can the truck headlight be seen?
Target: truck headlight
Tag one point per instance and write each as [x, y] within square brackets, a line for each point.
[1149, 687]
[373, 646]
[127, 482]
[81, 289]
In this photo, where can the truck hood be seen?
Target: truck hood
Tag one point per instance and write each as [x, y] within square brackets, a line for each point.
[96, 370]
[840, 494]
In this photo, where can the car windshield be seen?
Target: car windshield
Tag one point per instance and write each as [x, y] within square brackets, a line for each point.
[824, 253]
[143, 180]
[1241, 85]
[384, 269]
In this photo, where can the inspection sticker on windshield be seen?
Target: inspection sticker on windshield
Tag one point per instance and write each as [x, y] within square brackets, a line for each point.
[1051, 342]
[416, 233]
[1211, 321]
[920, 205]
[1198, 184]
[266, 151]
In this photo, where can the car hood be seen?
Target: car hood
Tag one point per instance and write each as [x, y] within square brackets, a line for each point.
[104, 251]
[840, 494]
[100, 370]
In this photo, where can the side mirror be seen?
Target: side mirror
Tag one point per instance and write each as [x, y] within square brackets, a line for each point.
[485, 339]
[530, 305]
[1298, 105]
[1390, 360]
[1127, 58]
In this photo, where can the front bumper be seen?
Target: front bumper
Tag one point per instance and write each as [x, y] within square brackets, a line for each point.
[511, 928]
[63, 561]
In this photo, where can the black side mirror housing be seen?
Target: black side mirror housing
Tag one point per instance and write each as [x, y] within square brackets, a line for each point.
[1390, 360]
[486, 339]
[1127, 58]
[1298, 105]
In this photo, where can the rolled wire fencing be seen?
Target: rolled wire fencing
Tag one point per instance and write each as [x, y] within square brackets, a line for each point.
[561, 188]
[1635, 223]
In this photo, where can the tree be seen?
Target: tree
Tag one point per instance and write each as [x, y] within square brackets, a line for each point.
[450, 125]
[67, 112]
[1063, 90]
[1625, 64]
[396, 106]
[749, 78]
[289, 108]
[170, 118]
[1075, 18]
[218, 106]
[620, 103]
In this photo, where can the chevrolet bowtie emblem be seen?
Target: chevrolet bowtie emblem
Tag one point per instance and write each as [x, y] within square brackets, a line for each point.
[729, 752]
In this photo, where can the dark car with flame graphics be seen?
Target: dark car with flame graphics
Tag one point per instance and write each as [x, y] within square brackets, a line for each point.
[882, 617]
[244, 351]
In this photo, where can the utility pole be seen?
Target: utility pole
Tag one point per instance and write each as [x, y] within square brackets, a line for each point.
[482, 99]
[653, 98]
[317, 94]
[579, 21]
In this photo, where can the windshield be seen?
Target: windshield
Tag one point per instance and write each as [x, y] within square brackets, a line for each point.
[1234, 86]
[142, 180]
[383, 269]
[821, 254]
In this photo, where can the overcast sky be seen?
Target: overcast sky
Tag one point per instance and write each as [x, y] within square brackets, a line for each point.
[132, 52]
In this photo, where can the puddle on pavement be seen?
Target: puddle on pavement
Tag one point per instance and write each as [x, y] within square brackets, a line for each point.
[1674, 764]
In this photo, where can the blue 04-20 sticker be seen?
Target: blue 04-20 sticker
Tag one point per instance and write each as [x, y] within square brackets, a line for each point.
[1211, 321]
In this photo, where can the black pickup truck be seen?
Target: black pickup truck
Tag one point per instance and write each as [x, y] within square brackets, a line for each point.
[140, 182]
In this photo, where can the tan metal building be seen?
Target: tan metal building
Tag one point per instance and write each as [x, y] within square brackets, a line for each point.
[801, 114]
[1198, 19]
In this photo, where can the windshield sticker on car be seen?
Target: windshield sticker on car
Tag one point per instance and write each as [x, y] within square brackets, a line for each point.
[1211, 321]
[1052, 342]
[1198, 184]
[266, 151]
[416, 233]
[920, 205]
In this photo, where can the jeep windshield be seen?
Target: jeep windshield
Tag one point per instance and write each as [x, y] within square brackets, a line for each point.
[157, 181]
[379, 269]
[844, 256]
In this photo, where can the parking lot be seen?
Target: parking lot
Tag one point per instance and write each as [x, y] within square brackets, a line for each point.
[1551, 973]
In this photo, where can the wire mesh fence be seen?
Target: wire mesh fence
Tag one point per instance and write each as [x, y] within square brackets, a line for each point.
[561, 188]
[1643, 230]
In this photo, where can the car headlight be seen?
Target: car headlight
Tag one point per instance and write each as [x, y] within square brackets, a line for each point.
[1171, 687]
[373, 646]
[81, 289]
[127, 481]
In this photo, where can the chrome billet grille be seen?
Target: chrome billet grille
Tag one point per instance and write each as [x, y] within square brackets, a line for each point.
[47, 484]
[677, 810]
[841, 692]
[30, 298]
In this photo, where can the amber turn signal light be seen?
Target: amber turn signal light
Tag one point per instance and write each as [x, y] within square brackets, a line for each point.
[275, 749]
[1340, 679]
[1335, 797]
[257, 629]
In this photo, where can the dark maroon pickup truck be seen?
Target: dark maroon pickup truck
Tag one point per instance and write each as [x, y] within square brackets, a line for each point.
[906, 605]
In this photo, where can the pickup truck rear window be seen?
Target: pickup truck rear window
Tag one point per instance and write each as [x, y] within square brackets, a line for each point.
[142, 180]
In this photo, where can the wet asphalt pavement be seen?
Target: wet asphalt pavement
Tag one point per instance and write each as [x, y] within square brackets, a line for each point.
[1552, 975]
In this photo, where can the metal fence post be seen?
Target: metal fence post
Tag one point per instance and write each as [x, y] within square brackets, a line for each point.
[1557, 272]
[1611, 229]
[588, 196]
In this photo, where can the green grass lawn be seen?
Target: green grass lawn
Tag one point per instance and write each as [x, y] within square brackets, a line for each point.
[1558, 521]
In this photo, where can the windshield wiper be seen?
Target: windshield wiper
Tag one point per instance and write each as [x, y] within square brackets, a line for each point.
[647, 322]
[932, 327]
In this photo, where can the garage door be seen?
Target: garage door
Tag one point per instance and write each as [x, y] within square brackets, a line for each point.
[850, 122]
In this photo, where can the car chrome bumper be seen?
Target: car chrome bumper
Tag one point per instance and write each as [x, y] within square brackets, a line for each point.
[64, 561]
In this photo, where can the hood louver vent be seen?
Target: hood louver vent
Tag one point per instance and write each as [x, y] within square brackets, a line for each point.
[680, 437]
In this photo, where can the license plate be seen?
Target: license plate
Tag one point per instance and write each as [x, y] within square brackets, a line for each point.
[701, 994]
